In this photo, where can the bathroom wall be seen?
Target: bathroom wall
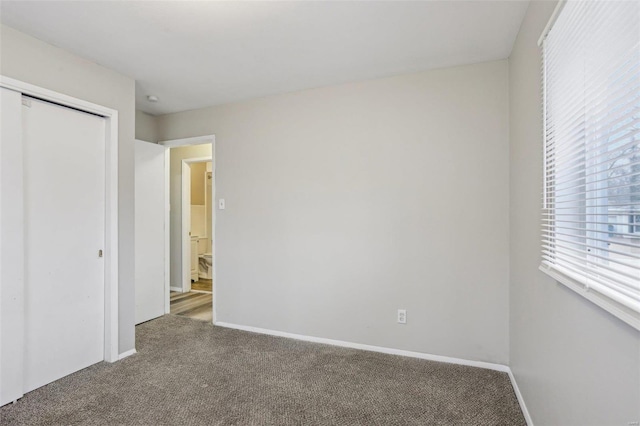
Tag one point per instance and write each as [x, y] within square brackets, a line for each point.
[198, 221]
[198, 171]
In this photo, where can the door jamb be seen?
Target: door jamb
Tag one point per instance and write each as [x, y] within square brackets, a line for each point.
[111, 268]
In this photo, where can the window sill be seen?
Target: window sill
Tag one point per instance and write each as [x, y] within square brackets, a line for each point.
[618, 310]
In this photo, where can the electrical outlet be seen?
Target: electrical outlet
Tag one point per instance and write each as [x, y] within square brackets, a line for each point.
[402, 316]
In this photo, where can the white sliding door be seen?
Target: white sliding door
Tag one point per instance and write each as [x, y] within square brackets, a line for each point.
[64, 224]
[151, 210]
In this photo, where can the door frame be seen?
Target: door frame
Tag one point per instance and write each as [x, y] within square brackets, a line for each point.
[111, 210]
[197, 140]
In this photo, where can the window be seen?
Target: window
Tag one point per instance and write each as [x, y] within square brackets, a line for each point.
[634, 219]
[591, 112]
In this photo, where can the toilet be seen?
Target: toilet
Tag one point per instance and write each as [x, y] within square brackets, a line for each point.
[205, 263]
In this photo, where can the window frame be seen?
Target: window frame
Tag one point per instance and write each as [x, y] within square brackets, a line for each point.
[596, 293]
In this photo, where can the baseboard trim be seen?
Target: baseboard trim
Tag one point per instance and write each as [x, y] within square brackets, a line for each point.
[370, 348]
[123, 355]
[178, 289]
[523, 406]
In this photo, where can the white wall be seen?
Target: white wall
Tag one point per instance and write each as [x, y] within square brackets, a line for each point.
[348, 202]
[175, 199]
[25, 58]
[146, 127]
[574, 363]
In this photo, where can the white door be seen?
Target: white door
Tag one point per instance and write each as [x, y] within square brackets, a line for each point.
[186, 227]
[151, 204]
[11, 247]
[194, 259]
[64, 220]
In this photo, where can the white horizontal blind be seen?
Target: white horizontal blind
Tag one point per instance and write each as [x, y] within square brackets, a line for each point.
[591, 92]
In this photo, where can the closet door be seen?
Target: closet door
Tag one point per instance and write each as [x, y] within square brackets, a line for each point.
[11, 247]
[64, 221]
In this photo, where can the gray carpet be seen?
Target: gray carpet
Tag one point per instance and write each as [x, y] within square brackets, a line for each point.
[189, 372]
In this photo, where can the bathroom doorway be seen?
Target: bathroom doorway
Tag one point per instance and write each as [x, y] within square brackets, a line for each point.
[192, 227]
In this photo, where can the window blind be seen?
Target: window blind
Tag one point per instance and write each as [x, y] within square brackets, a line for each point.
[591, 112]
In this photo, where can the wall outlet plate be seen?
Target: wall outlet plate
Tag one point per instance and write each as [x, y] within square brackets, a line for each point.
[402, 316]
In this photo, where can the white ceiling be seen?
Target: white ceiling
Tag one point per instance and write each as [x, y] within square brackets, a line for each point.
[197, 54]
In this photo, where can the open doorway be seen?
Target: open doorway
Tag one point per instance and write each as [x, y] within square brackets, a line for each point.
[195, 299]
[192, 227]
